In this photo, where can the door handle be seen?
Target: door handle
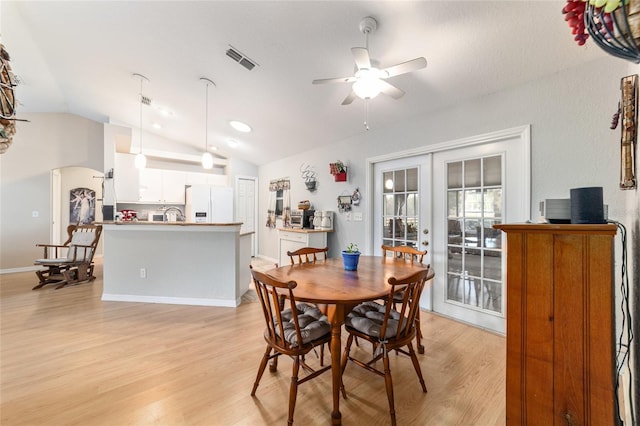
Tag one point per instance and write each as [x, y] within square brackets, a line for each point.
[425, 243]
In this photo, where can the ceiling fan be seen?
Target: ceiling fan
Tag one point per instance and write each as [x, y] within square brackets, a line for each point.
[369, 81]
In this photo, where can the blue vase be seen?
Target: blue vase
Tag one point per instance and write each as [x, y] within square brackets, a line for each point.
[350, 260]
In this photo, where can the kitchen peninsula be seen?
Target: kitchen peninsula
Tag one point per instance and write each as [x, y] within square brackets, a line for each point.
[177, 263]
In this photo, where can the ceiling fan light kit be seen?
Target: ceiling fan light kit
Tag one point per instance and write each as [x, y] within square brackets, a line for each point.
[369, 81]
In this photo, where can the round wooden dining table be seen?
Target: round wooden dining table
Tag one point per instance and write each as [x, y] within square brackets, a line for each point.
[327, 282]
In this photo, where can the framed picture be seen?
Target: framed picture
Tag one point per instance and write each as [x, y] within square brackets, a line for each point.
[82, 206]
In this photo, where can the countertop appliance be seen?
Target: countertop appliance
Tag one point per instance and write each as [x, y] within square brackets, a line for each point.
[296, 218]
[307, 218]
[155, 216]
[209, 204]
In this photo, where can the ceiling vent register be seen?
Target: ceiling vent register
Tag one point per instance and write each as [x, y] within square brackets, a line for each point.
[240, 58]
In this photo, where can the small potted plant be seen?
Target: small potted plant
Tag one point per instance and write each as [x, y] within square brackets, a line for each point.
[350, 257]
[339, 171]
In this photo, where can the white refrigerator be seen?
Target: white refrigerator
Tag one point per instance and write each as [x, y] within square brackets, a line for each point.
[209, 204]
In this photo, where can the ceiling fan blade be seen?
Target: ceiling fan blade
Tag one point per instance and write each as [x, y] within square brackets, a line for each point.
[361, 56]
[390, 90]
[350, 97]
[405, 67]
[334, 80]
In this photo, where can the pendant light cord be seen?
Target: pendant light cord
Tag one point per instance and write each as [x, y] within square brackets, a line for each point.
[206, 118]
[140, 100]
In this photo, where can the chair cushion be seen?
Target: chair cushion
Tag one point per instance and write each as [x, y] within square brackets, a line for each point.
[81, 239]
[313, 324]
[368, 317]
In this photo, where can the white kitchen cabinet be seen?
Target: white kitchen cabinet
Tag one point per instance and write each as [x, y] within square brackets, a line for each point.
[294, 239]
[126, 180]
[162, 186]
[193, 178]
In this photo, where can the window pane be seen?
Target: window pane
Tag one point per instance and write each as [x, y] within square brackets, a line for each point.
[492, 299]
[493, 264]
[493, 202]
[412, 205]
[388, 229]
[472, 263]
[387, 209]
[492, 169]
[454, 203]
[472, 203]
[454, 175]
[387, 180]
[472, 172]
[412, 179]
[412, 231]
[400, 205]
[399, 181]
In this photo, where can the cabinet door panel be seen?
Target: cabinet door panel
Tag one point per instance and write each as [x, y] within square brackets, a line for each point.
[538, 334]
[569, 338]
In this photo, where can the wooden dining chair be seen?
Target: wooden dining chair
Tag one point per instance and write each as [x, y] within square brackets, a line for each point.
[72, 261]
[308, 255]
[311, 255]
[294, 331]
[388, 329]
[407, 254]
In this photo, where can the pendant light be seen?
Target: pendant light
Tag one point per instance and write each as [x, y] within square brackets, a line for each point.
[141, 160]
[207, 157]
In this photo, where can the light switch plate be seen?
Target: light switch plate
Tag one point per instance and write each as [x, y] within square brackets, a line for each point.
[357, 216]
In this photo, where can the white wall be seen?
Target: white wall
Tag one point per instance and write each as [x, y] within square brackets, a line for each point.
[46, 142]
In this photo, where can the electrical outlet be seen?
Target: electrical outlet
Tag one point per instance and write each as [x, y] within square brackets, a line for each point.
[143, 272]
[35, 213]
[357, 216]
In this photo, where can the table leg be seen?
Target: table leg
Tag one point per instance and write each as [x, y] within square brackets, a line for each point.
[336, 317]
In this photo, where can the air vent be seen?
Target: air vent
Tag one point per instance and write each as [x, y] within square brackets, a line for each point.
[240, 58]
[145, 100]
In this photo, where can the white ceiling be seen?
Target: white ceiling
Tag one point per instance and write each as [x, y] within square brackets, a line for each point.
[79, 57]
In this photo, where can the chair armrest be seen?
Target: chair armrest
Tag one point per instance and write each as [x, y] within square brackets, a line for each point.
[52, 246]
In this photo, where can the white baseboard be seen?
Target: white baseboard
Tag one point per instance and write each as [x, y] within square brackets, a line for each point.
[16, 270]
[170, 300]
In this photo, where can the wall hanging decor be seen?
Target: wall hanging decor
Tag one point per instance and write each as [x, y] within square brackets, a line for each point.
[344, 203]
[7, 102]
[309, 176]
[614, 25]
[627, 114]
[355, 197]
[82, 206]
[338, 170]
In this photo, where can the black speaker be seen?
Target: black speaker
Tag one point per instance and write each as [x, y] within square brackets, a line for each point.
[587, 205]
[107, 213]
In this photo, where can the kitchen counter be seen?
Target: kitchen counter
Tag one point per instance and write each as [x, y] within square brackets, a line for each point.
[304, 230]
[176, 262]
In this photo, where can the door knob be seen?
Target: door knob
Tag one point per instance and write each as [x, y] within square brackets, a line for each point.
[425, 231]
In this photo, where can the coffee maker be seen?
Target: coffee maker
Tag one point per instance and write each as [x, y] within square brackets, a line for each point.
[307, 218]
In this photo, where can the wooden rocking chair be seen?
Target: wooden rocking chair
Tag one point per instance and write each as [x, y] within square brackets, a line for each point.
[71, 262]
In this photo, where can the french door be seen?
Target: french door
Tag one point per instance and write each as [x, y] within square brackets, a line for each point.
[462, 190]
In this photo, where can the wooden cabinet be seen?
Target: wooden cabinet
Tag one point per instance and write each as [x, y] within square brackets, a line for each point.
[291, 240]
[560, 324]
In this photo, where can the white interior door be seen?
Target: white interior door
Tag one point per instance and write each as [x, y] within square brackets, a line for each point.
[246, 207]
[462, 188]
[402, 206]
[473, 189]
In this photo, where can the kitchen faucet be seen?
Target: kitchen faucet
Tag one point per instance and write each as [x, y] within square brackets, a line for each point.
[180, 217]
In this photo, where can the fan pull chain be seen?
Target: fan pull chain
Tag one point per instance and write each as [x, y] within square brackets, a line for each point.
[366, 114]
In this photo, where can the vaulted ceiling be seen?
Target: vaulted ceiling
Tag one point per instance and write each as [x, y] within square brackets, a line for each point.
[79, 57]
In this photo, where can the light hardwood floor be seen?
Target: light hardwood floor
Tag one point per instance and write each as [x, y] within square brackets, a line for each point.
[67, 358]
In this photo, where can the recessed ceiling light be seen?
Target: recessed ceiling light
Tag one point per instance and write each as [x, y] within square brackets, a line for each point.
[157, 126]
[232, 143]
[163, 110]
[240, 126]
